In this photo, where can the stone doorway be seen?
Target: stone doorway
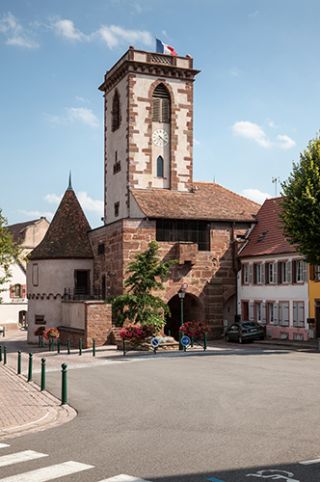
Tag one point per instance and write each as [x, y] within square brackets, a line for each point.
[192, 311]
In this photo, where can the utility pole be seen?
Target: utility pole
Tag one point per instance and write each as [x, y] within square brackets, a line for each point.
[275, 181]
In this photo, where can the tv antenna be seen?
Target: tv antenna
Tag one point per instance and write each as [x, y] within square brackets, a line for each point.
[275, 181]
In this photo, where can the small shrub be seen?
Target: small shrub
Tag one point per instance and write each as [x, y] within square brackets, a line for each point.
[195, 329]
[51, 333]
[40, 331]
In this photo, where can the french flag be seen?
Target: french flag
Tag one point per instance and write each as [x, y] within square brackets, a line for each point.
[162, 48]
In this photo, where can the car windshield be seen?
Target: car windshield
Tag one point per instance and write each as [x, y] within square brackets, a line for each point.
[249, 325]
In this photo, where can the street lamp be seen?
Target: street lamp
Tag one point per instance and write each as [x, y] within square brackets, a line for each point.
[181, 294]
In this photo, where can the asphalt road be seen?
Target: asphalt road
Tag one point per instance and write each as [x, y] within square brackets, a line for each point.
[220, 416]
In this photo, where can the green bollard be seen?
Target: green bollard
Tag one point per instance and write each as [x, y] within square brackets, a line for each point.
[68, 346]
[58, 345]
[93, 347]
[169, 332]
[205, 341]
[52, 343]
[64, 396]
[43, 374]
[19, 363]
[80, 346]
[0, 353]
[124, 347]
[41, 342]
[30, 368]
[4, 355]
[192, 341]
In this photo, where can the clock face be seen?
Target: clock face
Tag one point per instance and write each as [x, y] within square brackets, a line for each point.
[160, 137]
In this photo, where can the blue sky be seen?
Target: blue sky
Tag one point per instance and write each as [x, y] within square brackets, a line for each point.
[257, 99]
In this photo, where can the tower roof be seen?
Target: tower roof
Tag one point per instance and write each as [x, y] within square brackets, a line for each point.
[67, 236]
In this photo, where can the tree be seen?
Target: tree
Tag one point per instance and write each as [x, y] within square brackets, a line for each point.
[146, 275]
[9, 252]
[301, 203]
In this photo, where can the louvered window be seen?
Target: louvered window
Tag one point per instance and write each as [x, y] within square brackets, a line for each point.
[161, 104]
[116, 118]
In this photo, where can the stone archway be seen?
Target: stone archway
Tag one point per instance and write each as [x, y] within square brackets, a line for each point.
[192, 311]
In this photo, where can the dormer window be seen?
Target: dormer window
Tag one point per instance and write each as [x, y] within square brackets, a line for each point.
[116, 117]
[161, 104]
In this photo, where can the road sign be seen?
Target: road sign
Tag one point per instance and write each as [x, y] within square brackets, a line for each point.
[185, 341]
[155, 342]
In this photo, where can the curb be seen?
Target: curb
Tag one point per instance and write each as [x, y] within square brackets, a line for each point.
[56, 415]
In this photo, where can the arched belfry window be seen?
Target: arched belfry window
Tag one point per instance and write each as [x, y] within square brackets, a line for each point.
[161, 104]
[116, 117]
[160, 172]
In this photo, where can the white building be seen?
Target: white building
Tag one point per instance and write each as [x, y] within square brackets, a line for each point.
[13, 307]
[273, 280]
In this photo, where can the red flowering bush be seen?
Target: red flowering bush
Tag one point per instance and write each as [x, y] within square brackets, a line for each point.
[40, 330]
[134, 333]
[51, 333]
[194, 329]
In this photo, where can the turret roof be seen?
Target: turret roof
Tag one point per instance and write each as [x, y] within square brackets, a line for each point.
[67, 236]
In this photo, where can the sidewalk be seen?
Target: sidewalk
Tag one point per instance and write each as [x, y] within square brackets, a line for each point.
[23, 408]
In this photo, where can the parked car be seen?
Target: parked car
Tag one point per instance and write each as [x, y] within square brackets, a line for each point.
[244, 331]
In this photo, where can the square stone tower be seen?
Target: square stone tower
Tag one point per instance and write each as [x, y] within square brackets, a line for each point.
[148, 127]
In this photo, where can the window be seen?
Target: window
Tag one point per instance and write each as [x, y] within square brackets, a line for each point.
[161, 104]
[117, 164]
[284, 313]
[315, 272]
[272, 313]
[17, 291]
[81, 282]
[101, 248]
[160, 166]
[116, 209]
[180, 230]
[298, 313]
[116, 118]
[270, 273]
[35, 274]
[298, 270]
[258, 311]
[245, 274]
[257, 273]
[39, 320]
[283, 272]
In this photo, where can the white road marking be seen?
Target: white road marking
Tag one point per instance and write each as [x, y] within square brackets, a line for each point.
[309, 462]
[2, 446]
[48, 473]
[17, 457]
[122, 478]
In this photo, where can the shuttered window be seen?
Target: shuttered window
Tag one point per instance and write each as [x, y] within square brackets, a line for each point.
[161, 104]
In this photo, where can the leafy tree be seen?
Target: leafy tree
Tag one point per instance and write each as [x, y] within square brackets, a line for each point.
[146, 275]
[301, 203]
[9, 252]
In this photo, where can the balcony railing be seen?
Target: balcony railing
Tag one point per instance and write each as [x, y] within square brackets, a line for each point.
[81, 294]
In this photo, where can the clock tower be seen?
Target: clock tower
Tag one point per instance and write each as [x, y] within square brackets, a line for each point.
[148, 127]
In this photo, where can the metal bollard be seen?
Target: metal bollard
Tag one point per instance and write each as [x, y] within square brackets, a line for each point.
[43, 374]
[19, 363]
[205, 341]
[68, 346]
[124, 347]
[80, 346]
[58, 345]
[64, 396]
[192, 341]
[4, 355]
[93, 347]
[30, 368]
[0, 353]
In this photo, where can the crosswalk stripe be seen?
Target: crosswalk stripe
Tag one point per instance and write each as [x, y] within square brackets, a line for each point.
[17, 457]
[122, 478]
[2, 446]
[48, 473]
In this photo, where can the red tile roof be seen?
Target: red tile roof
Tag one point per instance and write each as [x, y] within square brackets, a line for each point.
[206, 201]
[67, 235]
[18, 230]
[267, 237]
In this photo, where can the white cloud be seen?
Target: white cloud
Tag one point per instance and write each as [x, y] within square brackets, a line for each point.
[285, 142]
[252, 131]
[255, 195]
[88, 203]
[75, 114]
[37, 214]
[84, 115]
[14, 33]
[66, 28]
[113, 35]
[234, 72]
